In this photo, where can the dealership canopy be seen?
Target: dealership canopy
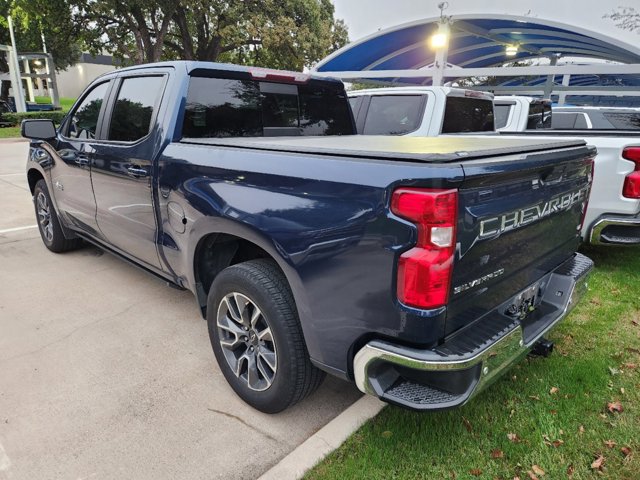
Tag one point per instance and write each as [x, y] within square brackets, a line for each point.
[441, 49]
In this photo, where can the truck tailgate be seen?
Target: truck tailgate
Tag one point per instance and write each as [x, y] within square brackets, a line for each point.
[519, 218]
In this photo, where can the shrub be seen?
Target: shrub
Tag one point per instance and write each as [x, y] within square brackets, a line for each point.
[16, 118]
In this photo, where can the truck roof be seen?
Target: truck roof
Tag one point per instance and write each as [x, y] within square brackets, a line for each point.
[441, 149]
[448, 91]
[190, 65]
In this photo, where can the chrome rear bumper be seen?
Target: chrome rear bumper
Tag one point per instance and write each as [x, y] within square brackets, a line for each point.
[615, 230]
[453, 373]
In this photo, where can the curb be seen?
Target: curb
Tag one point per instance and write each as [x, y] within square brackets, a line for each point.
[324, 441]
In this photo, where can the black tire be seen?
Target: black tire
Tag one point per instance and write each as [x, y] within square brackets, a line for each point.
[262, 283]
[48, 223]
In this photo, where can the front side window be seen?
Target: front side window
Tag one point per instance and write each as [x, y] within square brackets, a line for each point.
[393, 114]
[84, 120]
[133, 109]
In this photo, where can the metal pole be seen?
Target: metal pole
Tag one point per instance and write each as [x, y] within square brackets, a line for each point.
[27, 70]
[566, 81]
[441, 54]
[52, 82]
[14, 72]
[548, 86]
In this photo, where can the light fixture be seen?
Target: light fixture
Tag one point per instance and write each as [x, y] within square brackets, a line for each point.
[511, 50]
[37, 63]
[438, 40]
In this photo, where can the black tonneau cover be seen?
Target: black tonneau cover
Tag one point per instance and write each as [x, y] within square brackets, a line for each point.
[448, 148]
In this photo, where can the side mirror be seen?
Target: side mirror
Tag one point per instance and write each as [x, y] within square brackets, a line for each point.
[38, 129]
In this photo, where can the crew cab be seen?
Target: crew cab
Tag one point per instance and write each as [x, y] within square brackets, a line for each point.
[420, 268]
[421, 111]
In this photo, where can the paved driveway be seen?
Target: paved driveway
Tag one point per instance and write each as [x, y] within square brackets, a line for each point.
[106, 373]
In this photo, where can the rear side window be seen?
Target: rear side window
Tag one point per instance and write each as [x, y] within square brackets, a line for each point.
[539, 116]
[133, 109]
[84, 119]
[563, 120]
[624, 121]
[393, 114]
[464, 114]
[569, 121]
[501, 113]
[219, 107]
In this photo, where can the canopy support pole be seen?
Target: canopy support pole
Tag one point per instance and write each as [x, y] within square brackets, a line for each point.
[442, 52]
[548, 86]
[14, 72]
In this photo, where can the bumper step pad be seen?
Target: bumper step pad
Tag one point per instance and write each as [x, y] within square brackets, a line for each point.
[474, 357]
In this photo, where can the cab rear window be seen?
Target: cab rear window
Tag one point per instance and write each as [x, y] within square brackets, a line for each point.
[219, 107]
[464, 114]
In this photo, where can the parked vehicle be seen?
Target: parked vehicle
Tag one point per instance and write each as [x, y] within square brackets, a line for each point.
[613, 213]
[519, 113]
[597, 118]
[419, 268]
[421, 111]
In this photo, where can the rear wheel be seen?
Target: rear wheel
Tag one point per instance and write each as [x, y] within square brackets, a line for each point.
[48, 223]
[257, 339]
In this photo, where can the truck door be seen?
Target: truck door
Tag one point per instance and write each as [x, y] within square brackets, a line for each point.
[121, 169]
[71, 178]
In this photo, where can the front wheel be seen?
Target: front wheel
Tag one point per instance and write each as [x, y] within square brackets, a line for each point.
[48, 223]
[256, 336]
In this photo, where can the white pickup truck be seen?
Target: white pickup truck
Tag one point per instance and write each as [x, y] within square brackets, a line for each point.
[518, 113]
[421, 111]
[613, 214]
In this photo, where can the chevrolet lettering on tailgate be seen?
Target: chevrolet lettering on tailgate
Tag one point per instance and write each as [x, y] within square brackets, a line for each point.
[490, 227]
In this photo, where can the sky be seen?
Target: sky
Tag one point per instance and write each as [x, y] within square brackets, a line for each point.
[364, 17]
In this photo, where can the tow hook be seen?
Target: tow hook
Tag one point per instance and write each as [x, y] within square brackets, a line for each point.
[542, 348]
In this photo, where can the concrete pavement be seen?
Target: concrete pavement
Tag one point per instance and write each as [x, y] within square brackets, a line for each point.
[107, 373]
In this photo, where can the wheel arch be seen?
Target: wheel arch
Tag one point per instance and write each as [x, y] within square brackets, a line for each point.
[217, 250]
[33, 176]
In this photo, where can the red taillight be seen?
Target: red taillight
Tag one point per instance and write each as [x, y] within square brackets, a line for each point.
[424, 272]
[631, 188]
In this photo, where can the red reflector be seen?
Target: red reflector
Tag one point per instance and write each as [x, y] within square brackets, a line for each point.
[424, 272]
[631, 188]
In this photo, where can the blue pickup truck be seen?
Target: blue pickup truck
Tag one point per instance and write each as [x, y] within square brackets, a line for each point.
[419, 268]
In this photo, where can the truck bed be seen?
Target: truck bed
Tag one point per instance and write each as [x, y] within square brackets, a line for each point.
[414, 149]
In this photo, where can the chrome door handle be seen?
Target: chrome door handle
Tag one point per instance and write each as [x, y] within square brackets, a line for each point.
[137, 172]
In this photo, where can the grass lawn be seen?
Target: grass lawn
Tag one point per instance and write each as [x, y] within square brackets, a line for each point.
[9, 132]
[546, 419]
[65, 103]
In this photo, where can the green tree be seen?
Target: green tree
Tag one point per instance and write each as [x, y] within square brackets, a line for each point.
[34, 19]
[132, 30]
[271, 33]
